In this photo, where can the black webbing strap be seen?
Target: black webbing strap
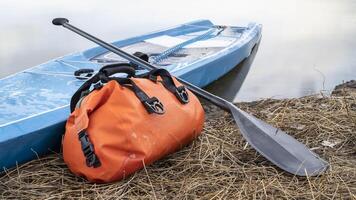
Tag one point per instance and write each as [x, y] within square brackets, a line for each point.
[180, 92]
[83, 74]
[152, 104]
[142, 56]
[92, 159]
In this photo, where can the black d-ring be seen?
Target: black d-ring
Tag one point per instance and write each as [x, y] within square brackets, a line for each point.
[153, 105]
[182, 94]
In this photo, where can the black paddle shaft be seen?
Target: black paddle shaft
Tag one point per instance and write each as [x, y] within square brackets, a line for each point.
[274, 144]
[198, 91]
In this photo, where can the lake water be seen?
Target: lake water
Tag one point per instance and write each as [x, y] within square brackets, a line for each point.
[307, 45]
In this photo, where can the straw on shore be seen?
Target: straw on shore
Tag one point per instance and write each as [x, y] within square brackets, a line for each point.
[219, 164]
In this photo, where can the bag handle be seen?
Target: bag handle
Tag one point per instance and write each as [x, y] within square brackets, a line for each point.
[180, 92]
[99, 79]
[151, 104]
[81, 121]
[111, 69]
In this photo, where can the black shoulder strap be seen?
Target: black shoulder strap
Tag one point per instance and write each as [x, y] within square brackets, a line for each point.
[152, 104]
[84, 88]
[142, 56]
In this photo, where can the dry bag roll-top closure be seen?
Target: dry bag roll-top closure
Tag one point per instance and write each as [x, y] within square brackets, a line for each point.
[120, 124]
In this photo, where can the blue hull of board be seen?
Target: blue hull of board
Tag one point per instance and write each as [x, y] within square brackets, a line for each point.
[25, 137]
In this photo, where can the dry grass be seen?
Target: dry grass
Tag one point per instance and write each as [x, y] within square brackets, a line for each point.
[219, 165]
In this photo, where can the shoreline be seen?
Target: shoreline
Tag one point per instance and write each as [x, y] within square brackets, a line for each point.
[219, 163]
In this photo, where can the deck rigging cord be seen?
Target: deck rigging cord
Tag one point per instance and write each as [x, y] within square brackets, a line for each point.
[212, 32]
[165, 54]
[58, 74]
[234, 28]
[66, 64]
[82, 77]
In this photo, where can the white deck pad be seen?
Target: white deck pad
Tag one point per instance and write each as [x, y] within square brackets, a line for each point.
[169, 41]
[166, 41]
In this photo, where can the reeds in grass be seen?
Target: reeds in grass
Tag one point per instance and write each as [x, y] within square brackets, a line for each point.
[219, 164]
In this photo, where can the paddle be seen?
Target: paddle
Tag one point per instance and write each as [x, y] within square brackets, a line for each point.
[274, 144]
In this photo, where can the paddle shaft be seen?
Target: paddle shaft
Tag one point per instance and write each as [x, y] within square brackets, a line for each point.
[274, 144]
[198, 91]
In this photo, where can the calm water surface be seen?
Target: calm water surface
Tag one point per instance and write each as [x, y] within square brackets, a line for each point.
[307, 45]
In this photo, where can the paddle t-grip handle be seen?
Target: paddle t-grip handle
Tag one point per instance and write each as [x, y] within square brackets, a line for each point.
[59, 21]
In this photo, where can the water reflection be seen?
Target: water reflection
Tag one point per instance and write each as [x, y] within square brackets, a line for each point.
[307, 45]
[229, 85]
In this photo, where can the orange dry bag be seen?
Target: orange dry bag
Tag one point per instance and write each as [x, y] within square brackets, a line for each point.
[118, 125]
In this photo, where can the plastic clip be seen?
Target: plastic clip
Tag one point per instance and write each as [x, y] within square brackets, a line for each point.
[88, 149]
[153, 105]
[182, 94]
[96, 86]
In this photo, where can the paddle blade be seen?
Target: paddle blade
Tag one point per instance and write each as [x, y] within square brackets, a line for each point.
[278, 147]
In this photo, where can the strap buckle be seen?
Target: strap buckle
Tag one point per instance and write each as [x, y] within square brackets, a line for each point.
[88, 149]
[153, 105]
[182, 94]
[96, 86]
